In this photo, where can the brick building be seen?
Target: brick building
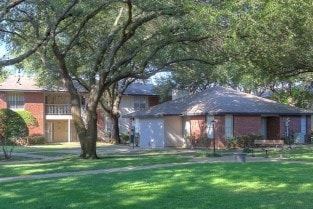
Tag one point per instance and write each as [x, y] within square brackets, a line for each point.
[219, 113]
[51, 107]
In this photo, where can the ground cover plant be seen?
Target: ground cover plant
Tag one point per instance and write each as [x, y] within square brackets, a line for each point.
[222, 185]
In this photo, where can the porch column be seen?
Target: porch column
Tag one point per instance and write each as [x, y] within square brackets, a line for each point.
[68, 130]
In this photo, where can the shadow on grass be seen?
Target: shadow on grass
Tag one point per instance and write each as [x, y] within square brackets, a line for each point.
[226, 185]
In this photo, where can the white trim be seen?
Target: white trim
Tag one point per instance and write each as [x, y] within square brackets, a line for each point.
[210, 126]
[68, 130]
[58, 117]
[229, 126]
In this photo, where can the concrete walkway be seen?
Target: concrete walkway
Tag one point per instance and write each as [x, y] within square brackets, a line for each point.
[193, 160]
[124, 169]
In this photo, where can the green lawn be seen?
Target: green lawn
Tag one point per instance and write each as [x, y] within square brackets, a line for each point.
[76, 164]
[297, 153]
[222, 185]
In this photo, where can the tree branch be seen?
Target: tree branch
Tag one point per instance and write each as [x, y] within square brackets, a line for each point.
[7, 8]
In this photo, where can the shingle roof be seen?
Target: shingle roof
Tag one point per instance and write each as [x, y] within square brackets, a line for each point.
[218, 101]
[140, 89]
[24, 83]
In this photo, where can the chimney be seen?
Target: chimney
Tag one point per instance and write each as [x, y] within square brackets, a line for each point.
[179, 93]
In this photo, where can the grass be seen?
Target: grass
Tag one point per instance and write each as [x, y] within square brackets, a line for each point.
[207, 154]
[223, 185]
[76, 164]
[297, 153]
[56, 147]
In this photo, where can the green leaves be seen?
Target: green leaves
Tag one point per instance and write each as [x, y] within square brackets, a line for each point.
[12, 125]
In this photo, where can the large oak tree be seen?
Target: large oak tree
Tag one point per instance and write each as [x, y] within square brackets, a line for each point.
[98, 43]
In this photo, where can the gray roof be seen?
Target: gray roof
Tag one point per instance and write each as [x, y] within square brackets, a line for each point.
[140, 89]
[219, 101]
[25, 83]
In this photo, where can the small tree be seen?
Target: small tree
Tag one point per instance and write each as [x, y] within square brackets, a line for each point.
[12, 126]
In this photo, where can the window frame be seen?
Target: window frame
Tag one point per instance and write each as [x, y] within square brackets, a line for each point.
[16, 100]
[140, 103]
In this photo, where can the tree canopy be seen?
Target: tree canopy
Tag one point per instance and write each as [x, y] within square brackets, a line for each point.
[98, 43]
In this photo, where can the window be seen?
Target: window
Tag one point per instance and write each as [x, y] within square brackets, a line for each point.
[140, 103]
[15, 100]
[264, 127]
[229, 126]
[210, 126]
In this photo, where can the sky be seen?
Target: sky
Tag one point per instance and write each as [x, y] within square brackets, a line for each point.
[2, 50]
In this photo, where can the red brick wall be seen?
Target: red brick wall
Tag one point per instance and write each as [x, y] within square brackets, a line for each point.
[247, 125]
[3, 100]
[295, 125]
[219, 132]
[35, 103]
[197, 126]
[153, 101]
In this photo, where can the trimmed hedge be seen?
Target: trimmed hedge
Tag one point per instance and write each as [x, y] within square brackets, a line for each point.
[246, 141]
[31, 140]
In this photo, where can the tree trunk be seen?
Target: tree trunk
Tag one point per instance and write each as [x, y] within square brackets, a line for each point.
[89, 142]
[115, 135]
[87, 131]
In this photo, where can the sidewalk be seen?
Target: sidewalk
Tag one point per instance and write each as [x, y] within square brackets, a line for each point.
[124, 149]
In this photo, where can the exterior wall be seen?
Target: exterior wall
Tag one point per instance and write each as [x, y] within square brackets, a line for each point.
[294, 125]
[173, 130]
[295, 128]
[152, 101]
[3, 100]
[151, 132]
[35, 103]
[197, 127]
[247, 125]
[60, 131]
[126, 107]
[219, 132]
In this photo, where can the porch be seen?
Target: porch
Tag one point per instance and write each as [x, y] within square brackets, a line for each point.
[58, 109]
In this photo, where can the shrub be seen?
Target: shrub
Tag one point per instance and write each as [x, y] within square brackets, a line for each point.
[202, 141]
[28, 118]
[245, 142]
[36, 139]
[124, 138]
[12, 127]
[31, 140]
